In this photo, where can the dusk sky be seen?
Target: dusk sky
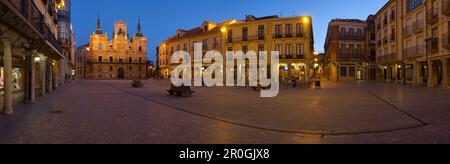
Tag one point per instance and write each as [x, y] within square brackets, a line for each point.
[161, 18]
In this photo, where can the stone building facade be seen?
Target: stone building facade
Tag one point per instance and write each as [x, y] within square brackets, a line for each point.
[413, 42]
[121, 57]
[80, 61]
[350, 50]
[31, 54]
[292, 36]
[208, 33]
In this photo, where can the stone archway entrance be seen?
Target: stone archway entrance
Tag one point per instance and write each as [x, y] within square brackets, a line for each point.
[121, 73]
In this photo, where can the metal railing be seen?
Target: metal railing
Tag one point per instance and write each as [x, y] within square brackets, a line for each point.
[414, 52]
[408, 30]
[432, 16]
[446, 40]
[385, 40]
[392, 38]
[30, 11]
[446, 7]
[351, 53]
[247, 38]
[418, 26]
[432, 45]
[292, 56]
[291, 35]
[350, 36]
[392, 17]
[116, 61]
[390, 57]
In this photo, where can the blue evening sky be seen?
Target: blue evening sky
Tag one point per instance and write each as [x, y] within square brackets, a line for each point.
[161, 18]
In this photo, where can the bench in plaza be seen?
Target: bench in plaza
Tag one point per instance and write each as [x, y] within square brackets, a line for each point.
[137, 84]
[180, 91]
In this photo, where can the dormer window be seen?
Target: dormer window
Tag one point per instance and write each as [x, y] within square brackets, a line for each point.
[205, 28]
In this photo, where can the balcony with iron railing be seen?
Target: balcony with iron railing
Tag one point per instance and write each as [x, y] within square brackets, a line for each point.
[446, 41]
[287, 35]
[348, 53]
[246, 38]
[350, 36]
[386, 58]
[116, 61]
[392, 18]
[379, 26]
[408, 31]
[432, 16]
[300, 34]
[446, 7]
[379, 42]
[36, 19]
[392, 37]
[292, 56]
[414, 52]
[433, 45]
[418, 26]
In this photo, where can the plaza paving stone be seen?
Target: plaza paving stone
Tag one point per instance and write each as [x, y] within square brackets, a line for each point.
[113, 112]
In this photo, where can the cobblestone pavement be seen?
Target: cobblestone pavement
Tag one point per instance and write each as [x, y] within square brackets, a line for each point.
[112, 112]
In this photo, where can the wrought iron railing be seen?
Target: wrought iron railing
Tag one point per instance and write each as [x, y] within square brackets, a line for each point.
[446, 7]
[29, 10]
[414, 52]
[432, 16]
[351, 53]
[350, 36]
[433, 45]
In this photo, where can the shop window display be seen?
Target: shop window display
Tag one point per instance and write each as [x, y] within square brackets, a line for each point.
[16, 81]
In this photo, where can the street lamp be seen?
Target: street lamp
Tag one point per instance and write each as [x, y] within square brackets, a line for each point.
[316, 63]
[305, 20]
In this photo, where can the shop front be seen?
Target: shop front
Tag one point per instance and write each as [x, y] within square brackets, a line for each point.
[351, 72]
[409, 72]
[17, 81]
[293, 71]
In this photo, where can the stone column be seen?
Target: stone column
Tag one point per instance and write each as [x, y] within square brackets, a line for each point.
[29, 78]
[55, 75]
[8, 87]
[42, 74]
[395, 73]
[416, 73]
[338, 73]
[49, 85]
[430, 74]
[307, 72]
[388, 73]
[62, 73]
[289, 70]
[444, 73]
